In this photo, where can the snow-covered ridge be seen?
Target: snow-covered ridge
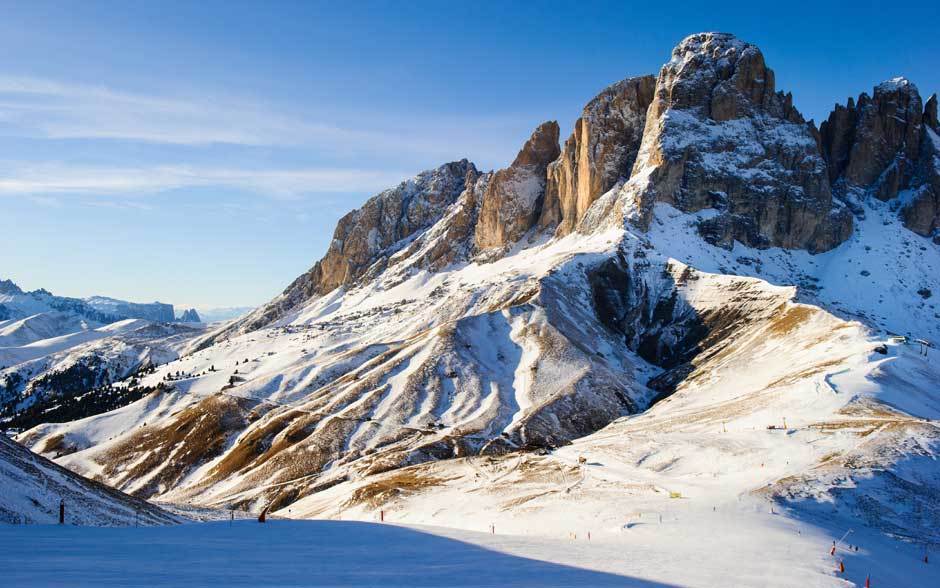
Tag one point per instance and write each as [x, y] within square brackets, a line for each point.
[33, 487]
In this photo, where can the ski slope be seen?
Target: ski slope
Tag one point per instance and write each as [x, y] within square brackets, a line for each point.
[342, 553]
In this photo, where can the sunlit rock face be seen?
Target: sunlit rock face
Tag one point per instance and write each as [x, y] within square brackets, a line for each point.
[718, 135]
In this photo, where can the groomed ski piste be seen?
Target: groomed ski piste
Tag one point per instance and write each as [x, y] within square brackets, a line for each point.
[737, 546]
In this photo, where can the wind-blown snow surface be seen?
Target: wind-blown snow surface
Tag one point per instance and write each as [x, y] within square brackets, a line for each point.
[291, 553]
[728, 549]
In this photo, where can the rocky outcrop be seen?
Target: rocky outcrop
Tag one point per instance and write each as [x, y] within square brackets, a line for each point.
[513, 197]
[367, 237]
[710, 132]
[599, 152]
[384, 221]
[718, 135]
[874, 143]
[883, 146]
[930, 113]
[9, 288]
[190, 316]
[920, 210]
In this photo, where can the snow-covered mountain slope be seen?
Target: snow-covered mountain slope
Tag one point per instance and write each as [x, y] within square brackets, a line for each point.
[702, 477]
[464, 369]
[46, 325]
[33, 487]
[720, 285]
[70, 375]
[55, 349]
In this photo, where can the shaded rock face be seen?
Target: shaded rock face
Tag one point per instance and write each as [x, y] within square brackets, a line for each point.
[10, 288]
[875, 143]
[513, 197]
[190, 316]
[719, 136]
[599, 152]
[921, 209]
[882, 146]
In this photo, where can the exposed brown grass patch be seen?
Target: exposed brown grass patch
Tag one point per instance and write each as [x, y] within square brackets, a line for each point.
[789, 320]
[391, 486]
[196, 435]
[815, 369]
[56, 445]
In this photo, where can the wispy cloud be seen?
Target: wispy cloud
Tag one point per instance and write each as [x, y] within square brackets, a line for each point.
[61, 179]
[50, 109]
[383, 150]
[75, 111]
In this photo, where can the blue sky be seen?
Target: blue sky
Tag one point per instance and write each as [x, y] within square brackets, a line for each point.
[201, 153]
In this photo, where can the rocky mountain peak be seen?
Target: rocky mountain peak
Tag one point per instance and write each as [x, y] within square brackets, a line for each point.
[718, 135]
[865, 138]
[513, 198]
[364, 236]
[722, 76]
[9, 288]
[190, 316]
[367, 237]
[881, 146]
[540, 149]
[711, 131]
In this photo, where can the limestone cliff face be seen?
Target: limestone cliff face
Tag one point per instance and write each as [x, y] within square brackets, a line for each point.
[362, 236]
[884, 145]
[599, 152]
[513, 197]
[718, 135]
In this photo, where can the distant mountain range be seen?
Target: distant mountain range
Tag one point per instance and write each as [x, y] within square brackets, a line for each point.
[55, 349]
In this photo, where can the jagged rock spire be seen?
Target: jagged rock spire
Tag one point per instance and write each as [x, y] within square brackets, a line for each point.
[723, 77]
[873, 136]
[601, 150]
[513, 198]
[882, 145]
